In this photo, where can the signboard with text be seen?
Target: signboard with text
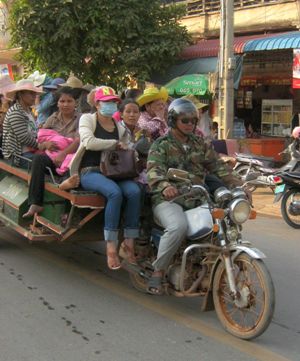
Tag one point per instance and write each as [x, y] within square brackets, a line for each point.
[296, 69]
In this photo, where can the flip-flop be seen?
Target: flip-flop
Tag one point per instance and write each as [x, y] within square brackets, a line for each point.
[154, 286]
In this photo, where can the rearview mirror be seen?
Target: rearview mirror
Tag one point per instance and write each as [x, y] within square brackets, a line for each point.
[178, 174]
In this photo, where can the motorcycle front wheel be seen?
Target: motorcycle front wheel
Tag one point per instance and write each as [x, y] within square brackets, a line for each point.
[250, 315]
[292, 195]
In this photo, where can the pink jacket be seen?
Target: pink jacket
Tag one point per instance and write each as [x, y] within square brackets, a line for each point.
[50, 135]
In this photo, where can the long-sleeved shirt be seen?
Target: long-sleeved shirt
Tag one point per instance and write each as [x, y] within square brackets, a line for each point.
[196, 157]
[19, 132]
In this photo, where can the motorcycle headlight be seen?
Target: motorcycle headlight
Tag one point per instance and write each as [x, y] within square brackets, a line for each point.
[239, 210]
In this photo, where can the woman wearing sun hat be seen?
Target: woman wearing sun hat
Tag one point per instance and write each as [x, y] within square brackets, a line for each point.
[19, 127]
[153, 106]
[99, 132]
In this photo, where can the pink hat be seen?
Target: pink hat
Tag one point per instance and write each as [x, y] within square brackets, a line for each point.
[106, 94]
[296, 132]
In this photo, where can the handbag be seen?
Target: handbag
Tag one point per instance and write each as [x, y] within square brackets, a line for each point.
[119, 164]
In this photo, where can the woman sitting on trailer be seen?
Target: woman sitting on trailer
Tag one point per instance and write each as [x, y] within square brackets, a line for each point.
[99, 132]
[64, 122]
[19, 127]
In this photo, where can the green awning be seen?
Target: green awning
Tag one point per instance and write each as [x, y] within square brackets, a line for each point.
[195, 84]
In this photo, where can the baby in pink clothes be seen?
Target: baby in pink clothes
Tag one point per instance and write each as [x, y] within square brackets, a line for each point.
[46, 135]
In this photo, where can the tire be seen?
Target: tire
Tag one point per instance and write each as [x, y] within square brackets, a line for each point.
[293, 221]
[241, 171]
[252, 279]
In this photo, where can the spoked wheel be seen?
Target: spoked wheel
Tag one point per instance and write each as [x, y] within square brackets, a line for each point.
[250, 315]
[139, 280]
[242, 172]
[290, 208]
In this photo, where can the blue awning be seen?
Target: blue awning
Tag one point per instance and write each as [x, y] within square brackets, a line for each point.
[289, 40]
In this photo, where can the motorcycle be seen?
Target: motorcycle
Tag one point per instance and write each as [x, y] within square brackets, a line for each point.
[214, 261]
[260, 171]
[289, 193]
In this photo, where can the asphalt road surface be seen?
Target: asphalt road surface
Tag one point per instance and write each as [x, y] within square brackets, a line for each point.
[59, 303]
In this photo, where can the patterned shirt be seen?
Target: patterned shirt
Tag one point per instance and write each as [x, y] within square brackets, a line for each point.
[153, 125]
[195, 156]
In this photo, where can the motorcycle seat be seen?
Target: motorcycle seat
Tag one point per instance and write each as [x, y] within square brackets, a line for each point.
[254, 156]
[292, 174]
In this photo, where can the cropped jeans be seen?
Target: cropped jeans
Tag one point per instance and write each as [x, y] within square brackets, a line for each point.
[115, 192]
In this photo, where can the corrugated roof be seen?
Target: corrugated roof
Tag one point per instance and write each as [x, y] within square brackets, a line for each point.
[289, 40]
[210, 48]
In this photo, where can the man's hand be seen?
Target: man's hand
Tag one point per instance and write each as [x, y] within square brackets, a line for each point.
[59, 159]
[170, 193]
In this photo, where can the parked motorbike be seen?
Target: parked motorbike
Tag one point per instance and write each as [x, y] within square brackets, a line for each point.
[260, 171]
[289, 193]
[215, 262]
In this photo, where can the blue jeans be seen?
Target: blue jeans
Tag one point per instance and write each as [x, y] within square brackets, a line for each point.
[114, 193]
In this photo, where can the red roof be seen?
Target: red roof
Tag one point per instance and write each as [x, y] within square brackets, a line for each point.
[210, 48]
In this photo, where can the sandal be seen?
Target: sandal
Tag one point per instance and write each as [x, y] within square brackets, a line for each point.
[113, 261]
[127, 253]
[154, 286]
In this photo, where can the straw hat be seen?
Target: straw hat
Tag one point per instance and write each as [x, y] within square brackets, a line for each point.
[151, 94]
[6, 84]
[21, 85]
[37, 78]
[196, 101]
[73, 82]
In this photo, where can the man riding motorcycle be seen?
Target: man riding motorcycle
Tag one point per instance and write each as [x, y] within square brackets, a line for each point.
[180, 149]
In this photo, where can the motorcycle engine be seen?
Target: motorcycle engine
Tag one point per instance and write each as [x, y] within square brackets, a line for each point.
[294, 208]
[174, 276]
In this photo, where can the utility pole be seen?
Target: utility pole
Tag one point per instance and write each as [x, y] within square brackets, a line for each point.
[226, 69]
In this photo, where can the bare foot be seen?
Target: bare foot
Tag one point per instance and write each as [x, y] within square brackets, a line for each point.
[69, 183]
[113, 260]
[34, 208]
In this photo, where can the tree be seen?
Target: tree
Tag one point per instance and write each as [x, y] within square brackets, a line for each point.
[101, 41]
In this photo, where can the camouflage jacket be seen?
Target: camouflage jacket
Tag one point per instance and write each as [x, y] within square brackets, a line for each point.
[196, 157]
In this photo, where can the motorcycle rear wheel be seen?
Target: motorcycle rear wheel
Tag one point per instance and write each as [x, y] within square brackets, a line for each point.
[291, 220]
[255, 285]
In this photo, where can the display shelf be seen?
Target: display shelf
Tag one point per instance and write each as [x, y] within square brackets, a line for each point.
[276, 117]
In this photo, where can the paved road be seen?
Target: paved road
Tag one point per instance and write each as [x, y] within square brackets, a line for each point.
[59, 302]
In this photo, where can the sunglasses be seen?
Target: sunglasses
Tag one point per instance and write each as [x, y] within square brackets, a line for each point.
[189, 120]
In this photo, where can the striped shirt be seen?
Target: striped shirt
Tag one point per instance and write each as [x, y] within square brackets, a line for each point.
[19, 132]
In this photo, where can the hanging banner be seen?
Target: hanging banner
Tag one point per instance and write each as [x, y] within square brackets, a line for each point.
[6, 69]
[296, 69]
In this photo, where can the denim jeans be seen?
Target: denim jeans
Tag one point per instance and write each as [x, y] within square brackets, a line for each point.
[114, 191]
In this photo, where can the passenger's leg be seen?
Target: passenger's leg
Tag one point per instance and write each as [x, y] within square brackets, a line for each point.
[132, 193]
[40, 162]
[96, 182]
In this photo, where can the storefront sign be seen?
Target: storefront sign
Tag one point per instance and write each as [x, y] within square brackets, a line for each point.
[296, 69]
[265, 80]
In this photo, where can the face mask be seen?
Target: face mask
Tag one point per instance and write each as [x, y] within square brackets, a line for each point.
[107, 109]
